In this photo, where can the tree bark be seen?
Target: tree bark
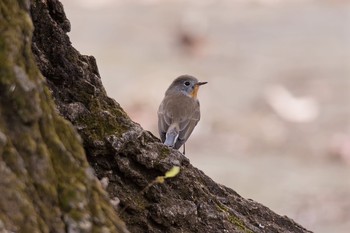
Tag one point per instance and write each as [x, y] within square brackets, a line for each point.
[46, 182]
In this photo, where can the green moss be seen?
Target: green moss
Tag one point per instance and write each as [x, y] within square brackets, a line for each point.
[68, 197]
[164, 152]
[15, 54]
[137, 202]
[233, 219]
[76, 215]
[98, 129]
[65, 133]
[45, 175]
[99, 124]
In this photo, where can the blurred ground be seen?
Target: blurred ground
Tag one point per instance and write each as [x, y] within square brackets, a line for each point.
[275, 121]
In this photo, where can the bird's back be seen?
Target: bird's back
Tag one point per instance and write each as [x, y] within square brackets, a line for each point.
[178, 111]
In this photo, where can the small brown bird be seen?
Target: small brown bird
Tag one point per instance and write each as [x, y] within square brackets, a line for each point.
[179, 111]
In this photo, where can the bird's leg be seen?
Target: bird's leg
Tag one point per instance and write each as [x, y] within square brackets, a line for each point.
[183, 152]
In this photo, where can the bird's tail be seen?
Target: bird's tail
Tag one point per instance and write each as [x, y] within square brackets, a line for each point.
[171, 135]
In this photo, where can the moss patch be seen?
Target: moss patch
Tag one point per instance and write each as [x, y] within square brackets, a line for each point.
[233, 219]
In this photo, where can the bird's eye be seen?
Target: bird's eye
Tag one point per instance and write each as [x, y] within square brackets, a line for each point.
[187, 83]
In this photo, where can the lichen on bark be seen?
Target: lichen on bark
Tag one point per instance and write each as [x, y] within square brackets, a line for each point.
[46, 183]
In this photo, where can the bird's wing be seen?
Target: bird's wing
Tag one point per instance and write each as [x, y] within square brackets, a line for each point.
[164, 122]
[187, 126]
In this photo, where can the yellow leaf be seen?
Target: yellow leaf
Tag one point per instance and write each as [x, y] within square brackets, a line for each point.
[172, 172]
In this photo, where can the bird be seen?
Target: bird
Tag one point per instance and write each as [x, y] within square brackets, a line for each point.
[179, 111]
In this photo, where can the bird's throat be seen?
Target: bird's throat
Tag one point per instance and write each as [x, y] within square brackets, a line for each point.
[195, 91]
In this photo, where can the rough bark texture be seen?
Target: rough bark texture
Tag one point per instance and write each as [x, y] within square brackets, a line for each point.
[130, 157]
[46, 184]
[45, 181]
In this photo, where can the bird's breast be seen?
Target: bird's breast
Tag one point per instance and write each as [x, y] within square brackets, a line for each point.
[180, 106]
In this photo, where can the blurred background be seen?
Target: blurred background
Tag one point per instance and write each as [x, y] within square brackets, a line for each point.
[275, 121]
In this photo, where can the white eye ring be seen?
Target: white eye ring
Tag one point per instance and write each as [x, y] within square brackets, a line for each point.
[187, 83]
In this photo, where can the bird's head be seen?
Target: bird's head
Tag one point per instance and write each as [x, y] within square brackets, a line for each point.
[186, 84]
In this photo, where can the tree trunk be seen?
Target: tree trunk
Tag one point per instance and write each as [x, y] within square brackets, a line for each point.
[46, 182]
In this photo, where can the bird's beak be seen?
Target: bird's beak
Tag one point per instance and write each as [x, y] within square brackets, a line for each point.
[201, 83]
[196, 88]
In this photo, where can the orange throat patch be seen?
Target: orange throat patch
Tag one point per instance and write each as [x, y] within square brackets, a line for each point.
[195, 91]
